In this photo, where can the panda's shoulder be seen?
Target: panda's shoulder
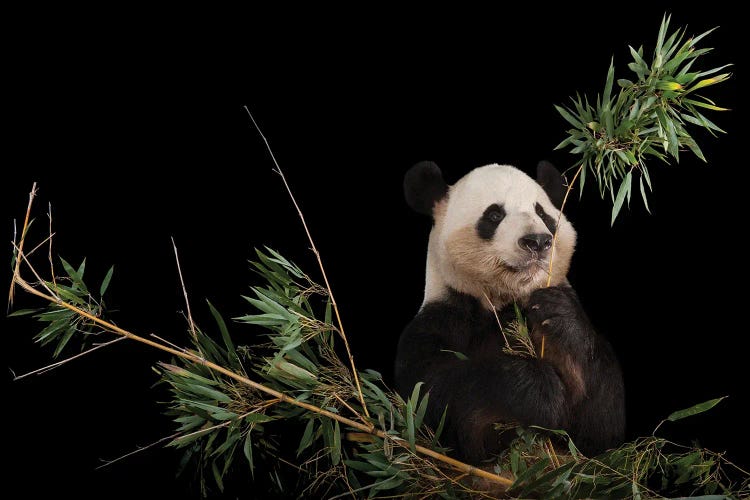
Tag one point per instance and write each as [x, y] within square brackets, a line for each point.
[451, 310]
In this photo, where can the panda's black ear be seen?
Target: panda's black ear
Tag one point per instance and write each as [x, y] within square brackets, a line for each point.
[552, 181]
[424, 186]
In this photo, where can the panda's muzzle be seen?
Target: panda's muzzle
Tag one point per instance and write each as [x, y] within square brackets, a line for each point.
[536, 242]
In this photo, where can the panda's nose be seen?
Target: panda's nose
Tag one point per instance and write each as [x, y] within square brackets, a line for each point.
[537, 242]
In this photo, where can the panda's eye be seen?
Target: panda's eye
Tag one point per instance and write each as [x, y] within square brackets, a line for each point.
[496, 216]
[494, 213]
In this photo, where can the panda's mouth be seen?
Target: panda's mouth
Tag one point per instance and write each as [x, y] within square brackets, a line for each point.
[530, 266]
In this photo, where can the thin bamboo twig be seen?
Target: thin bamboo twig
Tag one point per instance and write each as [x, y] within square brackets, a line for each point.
[32, 194]
[49, 252]
[260, 387]
[320, 264]
[184, 292]
[47, 368]
[554, 241]
[557, 228]
[107, 463]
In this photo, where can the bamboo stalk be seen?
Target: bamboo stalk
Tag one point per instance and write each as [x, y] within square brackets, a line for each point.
[32, 194]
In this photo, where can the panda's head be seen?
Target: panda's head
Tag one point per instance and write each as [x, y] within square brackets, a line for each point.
[493, 231]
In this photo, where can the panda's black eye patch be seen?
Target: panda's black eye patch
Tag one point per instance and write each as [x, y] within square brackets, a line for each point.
[546, 218]
[487, 224]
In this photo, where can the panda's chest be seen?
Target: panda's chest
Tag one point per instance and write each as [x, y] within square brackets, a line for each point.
[481, 335]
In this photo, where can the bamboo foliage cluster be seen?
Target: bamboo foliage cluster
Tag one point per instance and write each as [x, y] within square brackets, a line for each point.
[648, 117]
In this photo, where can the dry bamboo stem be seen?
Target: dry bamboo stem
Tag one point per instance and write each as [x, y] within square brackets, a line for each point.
[322, 270]
[20, 244]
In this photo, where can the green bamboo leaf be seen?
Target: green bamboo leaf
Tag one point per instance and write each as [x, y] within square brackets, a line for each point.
[224, 415]
[217, 476]
[295, 371]
[621, 194]
[224, 332]
[75, 276]
[606, 98]
[662, 33]
[701, 120]
[643, 194]
[568, 117]
[357, 465]
[709, 81]
[421, 410]
[55, 328]
[307, 437]
[257, 418]
[211, 394]
[231, 439]
[694, 148]
[23, 312]
[105, 282]
[387, 484]
[702, 104]
[530, 473]
[440, 426]
[712, 71]
[336, 448]
[184, 440]
[66, 337]
[247, 450]
[694, 410]
[410, 425]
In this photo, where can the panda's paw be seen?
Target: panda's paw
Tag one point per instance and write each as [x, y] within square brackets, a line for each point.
[556, 312]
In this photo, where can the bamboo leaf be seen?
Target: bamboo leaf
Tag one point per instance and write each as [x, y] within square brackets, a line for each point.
[247, 450]
[231, 351]
[307, 437]
[410, 425]
[211, 394]
[643, 194]
[217, 476]
[621, 194]
[607, 97]
[23, 312]
[569, 117]
[694, 410]
[336, 448]
[105, 282]
[66, 337]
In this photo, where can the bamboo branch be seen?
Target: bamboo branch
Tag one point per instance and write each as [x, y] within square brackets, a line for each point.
[322, 268]
[260, 387]
[32, 194]
[184, 293]
[47, 368]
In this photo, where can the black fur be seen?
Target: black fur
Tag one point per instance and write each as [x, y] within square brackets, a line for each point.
[491, 218]
[552, 181]
[548, 220]
[424, 186]
[491, 386]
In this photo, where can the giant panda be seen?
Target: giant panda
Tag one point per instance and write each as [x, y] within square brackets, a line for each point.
[490, 247]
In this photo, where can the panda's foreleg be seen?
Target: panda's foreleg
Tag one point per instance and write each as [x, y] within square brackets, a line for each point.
[585, 363]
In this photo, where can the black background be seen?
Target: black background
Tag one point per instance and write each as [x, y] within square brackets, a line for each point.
[135, 130]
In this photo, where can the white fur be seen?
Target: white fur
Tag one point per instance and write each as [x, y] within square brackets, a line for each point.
[499, 270]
